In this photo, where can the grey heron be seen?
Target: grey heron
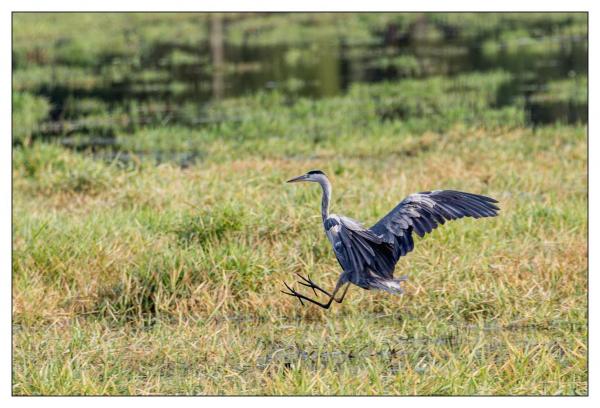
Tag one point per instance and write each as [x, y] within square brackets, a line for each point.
[368, 256]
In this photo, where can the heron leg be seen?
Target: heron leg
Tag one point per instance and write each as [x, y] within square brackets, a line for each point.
[341, 299]
[300, 296]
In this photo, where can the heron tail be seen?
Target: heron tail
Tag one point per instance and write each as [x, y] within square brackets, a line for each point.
[389, 285]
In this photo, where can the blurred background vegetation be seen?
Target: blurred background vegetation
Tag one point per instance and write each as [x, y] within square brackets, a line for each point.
[106, 81]
[152, 227]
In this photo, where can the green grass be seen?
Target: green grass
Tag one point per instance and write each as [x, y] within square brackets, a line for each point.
[572, 90]
[28, 111]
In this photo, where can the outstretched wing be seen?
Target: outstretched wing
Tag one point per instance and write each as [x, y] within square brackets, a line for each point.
[422, 212]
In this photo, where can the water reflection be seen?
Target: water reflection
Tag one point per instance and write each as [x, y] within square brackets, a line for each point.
[171, 74]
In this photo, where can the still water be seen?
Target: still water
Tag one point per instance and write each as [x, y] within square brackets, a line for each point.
[215, 70]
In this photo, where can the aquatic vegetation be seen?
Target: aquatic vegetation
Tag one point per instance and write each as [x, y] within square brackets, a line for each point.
[28, 111]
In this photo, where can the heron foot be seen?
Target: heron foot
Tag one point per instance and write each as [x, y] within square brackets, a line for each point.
[308, 282]
[292, 292]
[301, 297]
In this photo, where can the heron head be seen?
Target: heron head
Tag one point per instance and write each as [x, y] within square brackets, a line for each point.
[313, 175]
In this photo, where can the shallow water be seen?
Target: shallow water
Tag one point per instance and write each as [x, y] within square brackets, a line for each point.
[194, 76]
[388, 343]
[329, 69]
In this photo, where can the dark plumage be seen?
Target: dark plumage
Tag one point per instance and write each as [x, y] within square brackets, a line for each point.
[368, 256]
[423, 212]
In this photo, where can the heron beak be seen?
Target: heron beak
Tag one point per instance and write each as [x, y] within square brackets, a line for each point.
[297, 179]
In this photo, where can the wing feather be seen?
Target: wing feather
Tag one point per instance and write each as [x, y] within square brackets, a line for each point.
[362, 250]
[423, 212]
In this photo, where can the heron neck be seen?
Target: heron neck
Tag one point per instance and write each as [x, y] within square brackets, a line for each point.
[326, 186]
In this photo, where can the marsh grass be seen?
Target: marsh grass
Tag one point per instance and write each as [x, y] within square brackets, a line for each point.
[134, 275]
[166, 280]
